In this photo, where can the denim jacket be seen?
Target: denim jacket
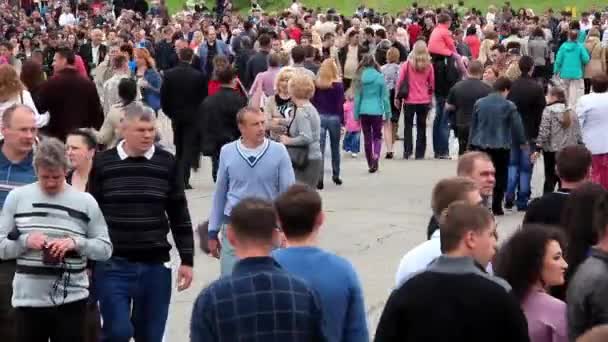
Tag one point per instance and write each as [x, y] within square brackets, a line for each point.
[496, 123]
[151, 95]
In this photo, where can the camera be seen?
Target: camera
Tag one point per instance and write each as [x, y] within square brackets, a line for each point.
[48, 258]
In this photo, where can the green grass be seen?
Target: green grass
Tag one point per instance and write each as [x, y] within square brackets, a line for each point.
[393, 6]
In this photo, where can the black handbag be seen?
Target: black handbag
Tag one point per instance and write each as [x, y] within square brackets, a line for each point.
[297, 154]
[404, 87]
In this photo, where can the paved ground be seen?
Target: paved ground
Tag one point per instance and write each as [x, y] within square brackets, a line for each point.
[372, 220]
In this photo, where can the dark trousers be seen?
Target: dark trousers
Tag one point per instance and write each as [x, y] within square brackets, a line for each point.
[63, 323]
[500, 158]
[215, 164]
[420, 111]
[371, 125]
[462, 133]
[551, 178]
[7, 313]
[587, 82]
[184, 137]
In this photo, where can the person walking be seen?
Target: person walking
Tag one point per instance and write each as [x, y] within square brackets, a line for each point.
[539, 50]
[558, 129]
[182, 91]
[372, 107]
[590, 110]
[266, 300]
[349, 57]
[141, 195]
[148, 79]
[252, 166]
[597, 57]
[71, 231]
[495, 127]
[532, 261]
[419, 74]
[14, 92]
[110, 132]
[303, 131]
[328, 100]
[120, 71]
[279, 109]
[390, 70]
[569, 67]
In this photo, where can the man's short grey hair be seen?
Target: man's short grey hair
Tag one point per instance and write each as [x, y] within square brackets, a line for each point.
[7, 116]
[240, 116]
[50, 154]
[139, 112]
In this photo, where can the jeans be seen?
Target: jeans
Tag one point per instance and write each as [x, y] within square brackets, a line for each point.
[7, 313]
[331, 124]
[371, 125]
[352, 142]
[420, 111]
[441, 128]
[134, 299]
[520, 174]
[62, 323]
[228, 256]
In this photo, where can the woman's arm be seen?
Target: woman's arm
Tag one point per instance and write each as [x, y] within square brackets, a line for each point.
[303, 129]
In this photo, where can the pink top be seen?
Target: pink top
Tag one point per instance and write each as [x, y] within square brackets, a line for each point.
[441, 41]
[350, 123]
[421, 83]
[546, 317]
[474, 44]
[79, 64]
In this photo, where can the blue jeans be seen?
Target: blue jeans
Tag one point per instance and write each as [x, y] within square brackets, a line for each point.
[520, 174]
[441, 128]
[352, 142]
[331, 124]
[134, 299]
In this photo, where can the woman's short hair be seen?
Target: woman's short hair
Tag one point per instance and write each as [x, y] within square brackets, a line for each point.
[145, 54]
[286, 73]
[274, 60]
[301, 86]
[10, 84]
[393, 55]
[520, 260]
[87, 136]
[50, 154]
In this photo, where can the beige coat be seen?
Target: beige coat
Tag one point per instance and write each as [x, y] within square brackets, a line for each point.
[597, 57]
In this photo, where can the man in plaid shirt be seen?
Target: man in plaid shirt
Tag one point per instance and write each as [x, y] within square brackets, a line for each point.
[259, 301]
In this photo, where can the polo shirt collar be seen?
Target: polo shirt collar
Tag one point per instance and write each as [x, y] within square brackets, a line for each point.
[255, 264]
[122, 154]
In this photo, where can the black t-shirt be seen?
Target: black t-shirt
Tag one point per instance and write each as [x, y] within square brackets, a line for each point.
[463, 96]
[284, 107]
[211, 52]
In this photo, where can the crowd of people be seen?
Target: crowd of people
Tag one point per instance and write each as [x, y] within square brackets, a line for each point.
[90, 188]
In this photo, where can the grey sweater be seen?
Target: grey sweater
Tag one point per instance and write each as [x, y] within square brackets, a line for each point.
[305, 129]
[70, 213]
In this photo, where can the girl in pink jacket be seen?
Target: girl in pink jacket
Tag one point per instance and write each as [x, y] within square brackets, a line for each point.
[351, 143]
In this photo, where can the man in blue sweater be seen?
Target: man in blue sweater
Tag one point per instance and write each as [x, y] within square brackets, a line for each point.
[251, 166]
[333, 278]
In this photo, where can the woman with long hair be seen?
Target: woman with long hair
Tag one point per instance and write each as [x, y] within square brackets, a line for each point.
[197, 40]
[13, 92]
[329, 100]
[148, 79]
[32, 76]
[532, 261]
[110, 134]
[559, 128]
[485, 48]
[390, 70]
[418, 72]
[372, 107]
[279, 108]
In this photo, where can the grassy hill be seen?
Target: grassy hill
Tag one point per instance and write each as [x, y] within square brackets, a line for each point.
[393, 6]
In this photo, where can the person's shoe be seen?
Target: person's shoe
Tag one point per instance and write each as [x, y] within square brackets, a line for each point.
[443, 157]
[320, 185]
[522, 209]
[498, 211]
[336, 180]
[188, 186]
[373, 169]
[509, 204]
[406, 156]
[354, 155]
[389, 155]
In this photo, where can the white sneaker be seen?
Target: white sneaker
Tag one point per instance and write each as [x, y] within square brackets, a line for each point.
[354, 155]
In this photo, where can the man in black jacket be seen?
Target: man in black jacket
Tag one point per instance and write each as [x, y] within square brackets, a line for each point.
[454, 299]
[181, 93]
[529, 97]
[93, 52]
[218, 113]
[165, 51]
[259, 61]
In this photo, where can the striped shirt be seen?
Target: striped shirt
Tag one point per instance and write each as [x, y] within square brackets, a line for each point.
[70, 213]
[142, 198]
[13, 175]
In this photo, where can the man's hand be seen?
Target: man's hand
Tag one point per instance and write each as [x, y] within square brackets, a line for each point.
[184, 277]
[61, 246]
[36, 240]
[284, 139]
[214, 247]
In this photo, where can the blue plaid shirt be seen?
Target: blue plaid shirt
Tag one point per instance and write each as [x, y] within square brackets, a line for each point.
[259, 302]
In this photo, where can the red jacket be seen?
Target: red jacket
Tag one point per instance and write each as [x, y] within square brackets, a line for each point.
[474, 44]
[441, 41]
[414, 31]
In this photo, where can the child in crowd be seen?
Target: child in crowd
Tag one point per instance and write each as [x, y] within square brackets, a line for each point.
[352, 141]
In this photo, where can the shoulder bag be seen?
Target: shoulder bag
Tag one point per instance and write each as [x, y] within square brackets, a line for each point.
[404, 87]
[297, 154]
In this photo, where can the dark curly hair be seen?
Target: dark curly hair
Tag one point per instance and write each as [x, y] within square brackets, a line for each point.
[520, 259]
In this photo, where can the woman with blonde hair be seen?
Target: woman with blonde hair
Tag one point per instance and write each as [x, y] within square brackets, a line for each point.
[597, 57]
[13, 92]
[303, 131]
[391, 72]
[329, 100]
[197, 40]
[485, 49]
[279, 108]
[419, 73]
[148, 79]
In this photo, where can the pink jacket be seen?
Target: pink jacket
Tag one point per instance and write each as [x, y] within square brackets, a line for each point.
[421, 83]
[441, 41]
[350, 123]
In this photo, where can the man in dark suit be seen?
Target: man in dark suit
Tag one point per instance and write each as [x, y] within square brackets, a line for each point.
[181, 44]
[93, 52]
[181, 93]
[70, 98]
[218, 113]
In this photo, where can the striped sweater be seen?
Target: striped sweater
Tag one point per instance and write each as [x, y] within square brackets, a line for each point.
[142, 199]
[70, 213]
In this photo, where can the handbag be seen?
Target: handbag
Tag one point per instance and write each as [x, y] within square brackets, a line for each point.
[404, 87]
[297, 154]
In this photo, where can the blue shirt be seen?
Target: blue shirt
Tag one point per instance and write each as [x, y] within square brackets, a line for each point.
[13, 175]
[259, 302]
[337, 284]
